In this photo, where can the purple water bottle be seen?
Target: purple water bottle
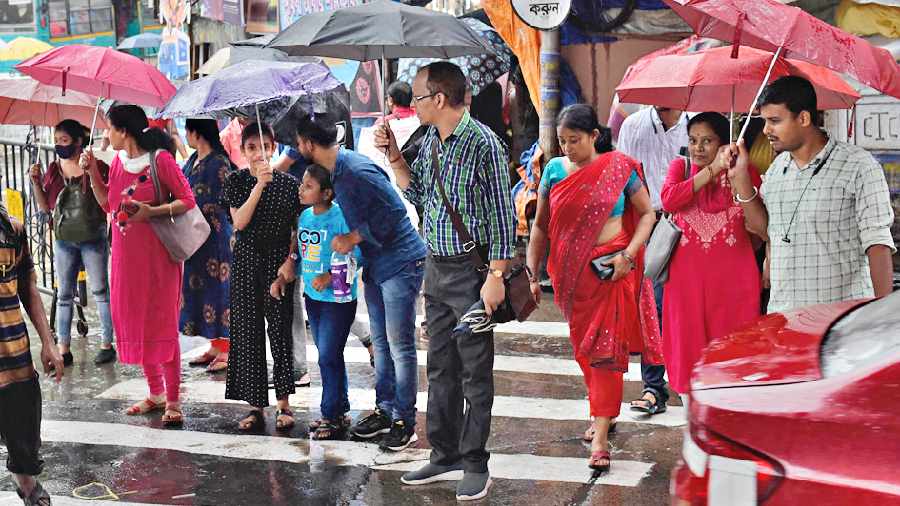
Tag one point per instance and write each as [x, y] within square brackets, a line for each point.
[342, 273]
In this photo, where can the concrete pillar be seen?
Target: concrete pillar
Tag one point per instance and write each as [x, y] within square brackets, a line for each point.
[549, 93]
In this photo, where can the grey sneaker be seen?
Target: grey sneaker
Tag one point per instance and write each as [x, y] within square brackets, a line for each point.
[473, 486]
[430, 473]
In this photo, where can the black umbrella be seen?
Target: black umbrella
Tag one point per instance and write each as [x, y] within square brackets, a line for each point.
[380, 29]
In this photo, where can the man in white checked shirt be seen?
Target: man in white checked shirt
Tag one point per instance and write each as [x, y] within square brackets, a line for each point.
[824, 206]
[654, 136]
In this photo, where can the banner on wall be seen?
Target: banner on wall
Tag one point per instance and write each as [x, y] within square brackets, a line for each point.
[233, 12]
[174, 51]
[213, 9]
[292, 10]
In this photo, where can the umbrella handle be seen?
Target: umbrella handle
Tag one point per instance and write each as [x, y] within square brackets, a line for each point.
[94, 122]
[262, 143]
[759, 92]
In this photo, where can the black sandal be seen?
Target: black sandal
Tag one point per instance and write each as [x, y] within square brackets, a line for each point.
[652, 408]
[327, 430]
[313, 425]
[279, 425]
[38, 496]
[257, 424]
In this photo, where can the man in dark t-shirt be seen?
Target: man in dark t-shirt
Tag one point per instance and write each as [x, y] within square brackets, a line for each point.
[20, 391]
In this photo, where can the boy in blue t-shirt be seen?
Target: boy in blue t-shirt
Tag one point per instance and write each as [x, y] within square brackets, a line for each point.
[330, 315]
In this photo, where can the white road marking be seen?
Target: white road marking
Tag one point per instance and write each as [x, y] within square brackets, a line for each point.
[212, 392]
[506, 363]
[348, 453]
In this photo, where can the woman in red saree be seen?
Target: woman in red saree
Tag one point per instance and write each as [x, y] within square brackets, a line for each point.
[593, 203]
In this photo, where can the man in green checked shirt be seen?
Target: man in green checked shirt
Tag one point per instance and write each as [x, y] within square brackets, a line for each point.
[472, 167]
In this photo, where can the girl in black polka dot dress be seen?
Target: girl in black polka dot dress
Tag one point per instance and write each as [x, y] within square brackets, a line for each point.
[264, 208]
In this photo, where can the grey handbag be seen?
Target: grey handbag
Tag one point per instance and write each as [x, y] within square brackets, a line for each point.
[663, 240]
[183, 234]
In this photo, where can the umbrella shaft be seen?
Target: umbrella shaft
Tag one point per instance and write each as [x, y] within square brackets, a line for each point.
[759, 92]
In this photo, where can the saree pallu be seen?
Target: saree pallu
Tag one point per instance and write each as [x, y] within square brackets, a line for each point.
[612, 319]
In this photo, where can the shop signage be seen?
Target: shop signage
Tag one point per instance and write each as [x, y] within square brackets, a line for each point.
[877, 125]
[542, 14]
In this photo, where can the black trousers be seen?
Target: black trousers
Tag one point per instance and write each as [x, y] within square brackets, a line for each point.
[20, 426]
[460, 371]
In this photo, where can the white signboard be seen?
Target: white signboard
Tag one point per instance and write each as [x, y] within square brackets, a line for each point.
[542, 14]
[877, 124]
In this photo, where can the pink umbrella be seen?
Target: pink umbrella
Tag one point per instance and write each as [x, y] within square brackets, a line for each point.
[28, 102]
[102, 72]
[710, 80]
[790, 32]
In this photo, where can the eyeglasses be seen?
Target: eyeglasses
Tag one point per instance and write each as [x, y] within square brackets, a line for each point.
[423, 97]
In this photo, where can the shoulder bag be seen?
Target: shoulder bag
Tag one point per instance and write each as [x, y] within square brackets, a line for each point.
[77, 217]
[519, 300]
[663, 241]
[182, 234]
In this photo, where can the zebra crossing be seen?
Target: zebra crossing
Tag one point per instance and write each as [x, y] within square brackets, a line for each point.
[535, 442]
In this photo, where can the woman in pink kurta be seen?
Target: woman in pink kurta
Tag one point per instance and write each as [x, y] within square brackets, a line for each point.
[714, 283]
[145, 284]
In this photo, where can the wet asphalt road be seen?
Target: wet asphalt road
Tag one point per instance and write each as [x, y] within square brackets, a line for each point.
[93, 451]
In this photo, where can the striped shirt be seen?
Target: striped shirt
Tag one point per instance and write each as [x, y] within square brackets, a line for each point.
[845, 210]
[473, 170]
[15, 264]
[644, 138]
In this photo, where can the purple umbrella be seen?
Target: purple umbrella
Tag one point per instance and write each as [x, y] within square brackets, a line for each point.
[251, 82]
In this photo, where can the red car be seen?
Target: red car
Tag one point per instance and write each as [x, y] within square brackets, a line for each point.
[800, 408]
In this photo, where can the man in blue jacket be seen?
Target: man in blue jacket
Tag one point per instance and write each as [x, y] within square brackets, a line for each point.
[393, 259]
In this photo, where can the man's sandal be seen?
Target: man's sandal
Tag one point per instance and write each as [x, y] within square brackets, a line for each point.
[331, 431]
[653, 407]
[253, 422]
[38, 496]
[283, 425]
[313, 425]
[144, 407]
[173, 417]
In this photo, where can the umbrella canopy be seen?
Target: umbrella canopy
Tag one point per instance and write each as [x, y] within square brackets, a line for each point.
[481, 70]
[249, 83]
[772, 26]
[704, 81]
[28, 102]
[228, 56]
[380, 29]
[21, 48]
[100, 72]
[260, 41]
[148, 40]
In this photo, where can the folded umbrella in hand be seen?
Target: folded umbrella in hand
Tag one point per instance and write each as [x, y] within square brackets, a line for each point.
[476, 320]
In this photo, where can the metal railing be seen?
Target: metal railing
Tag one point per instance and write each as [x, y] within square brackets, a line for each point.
[17, 158]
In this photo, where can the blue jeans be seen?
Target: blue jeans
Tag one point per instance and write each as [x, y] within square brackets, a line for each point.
[330, 325]
[654, 376]
[392, 322]
[69, 257]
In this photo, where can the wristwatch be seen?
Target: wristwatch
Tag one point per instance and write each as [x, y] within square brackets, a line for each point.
[497, 273]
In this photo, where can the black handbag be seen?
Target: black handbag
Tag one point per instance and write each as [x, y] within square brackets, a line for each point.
[519, 302]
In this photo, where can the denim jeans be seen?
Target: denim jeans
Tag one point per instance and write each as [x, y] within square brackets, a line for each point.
[69, 257]
[392, 322]
[330, 325]
[654, 376]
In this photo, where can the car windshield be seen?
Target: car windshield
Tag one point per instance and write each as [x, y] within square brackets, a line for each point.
[862, 337]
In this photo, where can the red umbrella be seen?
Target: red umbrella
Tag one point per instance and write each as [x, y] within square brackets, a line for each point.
[792, 33]
[710, 80]
[100, 72]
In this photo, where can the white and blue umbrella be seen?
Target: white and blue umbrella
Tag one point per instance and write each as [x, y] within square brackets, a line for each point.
[148, 40]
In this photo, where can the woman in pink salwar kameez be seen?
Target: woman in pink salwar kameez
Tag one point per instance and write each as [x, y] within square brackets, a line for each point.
[714, 282]
[145, 284]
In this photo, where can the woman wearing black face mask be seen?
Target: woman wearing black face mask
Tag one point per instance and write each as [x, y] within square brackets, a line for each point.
[80, 233]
